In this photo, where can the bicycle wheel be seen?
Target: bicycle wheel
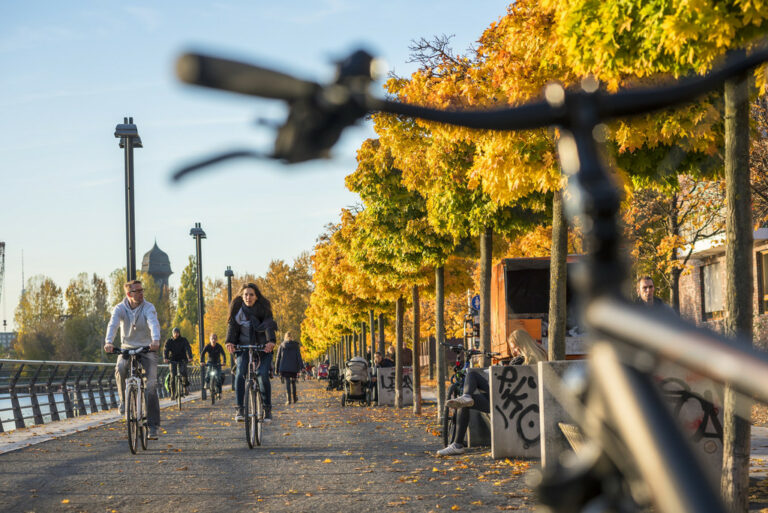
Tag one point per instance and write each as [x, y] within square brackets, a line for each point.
[179, 390]
[212, 387]
[132, 421]
[144, 429]
[250, 415]
[259, 415]
[449, 420]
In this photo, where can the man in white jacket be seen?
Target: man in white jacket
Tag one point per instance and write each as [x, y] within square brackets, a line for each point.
[139, 327]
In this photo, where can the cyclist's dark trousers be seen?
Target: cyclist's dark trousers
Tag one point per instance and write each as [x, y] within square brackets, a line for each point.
[182, 368]
[149, 364]
[262, 378]
[475, 385]
[290, 384]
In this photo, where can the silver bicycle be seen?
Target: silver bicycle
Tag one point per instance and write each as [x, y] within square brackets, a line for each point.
[134, 399]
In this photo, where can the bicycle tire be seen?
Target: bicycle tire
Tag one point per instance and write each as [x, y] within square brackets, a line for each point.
[250, 415]
[179, 388]
[449, 419]
[131, 420]
[212, 386]
[144, 429]
[259, 415]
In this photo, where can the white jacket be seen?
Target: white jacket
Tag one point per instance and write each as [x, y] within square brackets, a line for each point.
[138, 326]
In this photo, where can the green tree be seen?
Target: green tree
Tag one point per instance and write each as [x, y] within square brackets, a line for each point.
[186, 309]
[39, 318]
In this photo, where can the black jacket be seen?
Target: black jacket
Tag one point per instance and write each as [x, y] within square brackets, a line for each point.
[177, 350]
[216, 354]
[289, 357]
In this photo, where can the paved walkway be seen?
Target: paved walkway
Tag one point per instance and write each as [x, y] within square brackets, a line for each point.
[316, 456]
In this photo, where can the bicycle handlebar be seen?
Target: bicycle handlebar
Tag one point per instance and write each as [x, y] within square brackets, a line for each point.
[129, 352]
[239, 77]
[319, 113]
[472, 352]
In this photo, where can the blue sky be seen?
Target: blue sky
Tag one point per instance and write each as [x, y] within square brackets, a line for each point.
[72, 70]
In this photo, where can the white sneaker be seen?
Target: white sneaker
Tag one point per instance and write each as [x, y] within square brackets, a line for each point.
[239, 416]
[451, 450]
[463, 401]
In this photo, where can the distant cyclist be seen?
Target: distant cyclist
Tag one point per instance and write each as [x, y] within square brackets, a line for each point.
[250, 323]
[178, 352]
[216, 355]
[139, 327]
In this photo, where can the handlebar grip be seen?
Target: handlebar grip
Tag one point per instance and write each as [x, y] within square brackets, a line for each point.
[240, 77]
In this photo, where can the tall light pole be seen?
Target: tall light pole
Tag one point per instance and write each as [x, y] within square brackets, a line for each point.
[229, 274]
[198, 234]
[128, 134]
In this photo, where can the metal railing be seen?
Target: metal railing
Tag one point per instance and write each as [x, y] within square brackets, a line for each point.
[38, 392]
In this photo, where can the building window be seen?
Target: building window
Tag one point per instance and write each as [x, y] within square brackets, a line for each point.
[712, 290]
[762, 281]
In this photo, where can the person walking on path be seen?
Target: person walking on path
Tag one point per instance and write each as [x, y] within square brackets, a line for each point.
[178, 352]
[139, 327]
[250, 322]
[646, 294]
[288, 365]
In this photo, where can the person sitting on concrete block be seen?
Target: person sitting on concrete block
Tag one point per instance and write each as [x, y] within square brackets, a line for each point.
[520, 343]
[476, 397]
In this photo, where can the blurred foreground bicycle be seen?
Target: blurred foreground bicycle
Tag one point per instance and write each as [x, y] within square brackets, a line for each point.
[636, 454]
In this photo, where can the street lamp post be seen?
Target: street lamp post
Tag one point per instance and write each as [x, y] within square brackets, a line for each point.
[128, 134]
[198, 234]
[229, 274]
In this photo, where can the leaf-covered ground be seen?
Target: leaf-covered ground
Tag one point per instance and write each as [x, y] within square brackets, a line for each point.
[316, 456]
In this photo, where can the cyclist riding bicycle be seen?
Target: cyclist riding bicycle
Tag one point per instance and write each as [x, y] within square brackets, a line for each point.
[250, 323]
[216, 356]
[139, 327]
[178, 352]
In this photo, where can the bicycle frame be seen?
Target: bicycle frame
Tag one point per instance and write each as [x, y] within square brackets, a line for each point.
[623, 335]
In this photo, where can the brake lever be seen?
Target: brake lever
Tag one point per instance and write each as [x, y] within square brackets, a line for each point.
[178, 175]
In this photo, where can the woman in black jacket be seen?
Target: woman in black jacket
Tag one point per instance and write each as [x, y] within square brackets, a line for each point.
[289, 363]
[250, 322]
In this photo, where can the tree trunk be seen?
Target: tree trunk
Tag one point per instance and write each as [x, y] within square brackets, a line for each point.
[399, 307]
[373, 336]
[675, 302]
[486, 261]
[431, 358]
[738, 269]
[416, 365]
[381, 334]
[440, 339]
[363, 341]
[557, 281]
[674, 229]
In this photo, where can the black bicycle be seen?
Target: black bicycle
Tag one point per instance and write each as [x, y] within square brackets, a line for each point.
[254, 402]
[213, 373]
[457, 385]
[634, 442]
[134, 399]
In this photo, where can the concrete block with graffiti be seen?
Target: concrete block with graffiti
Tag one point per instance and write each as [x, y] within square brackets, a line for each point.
[697, 403]
[385, 382]
[515, 422]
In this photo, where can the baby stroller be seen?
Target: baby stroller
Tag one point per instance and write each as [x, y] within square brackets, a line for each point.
[334, 379]
[356, 382]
